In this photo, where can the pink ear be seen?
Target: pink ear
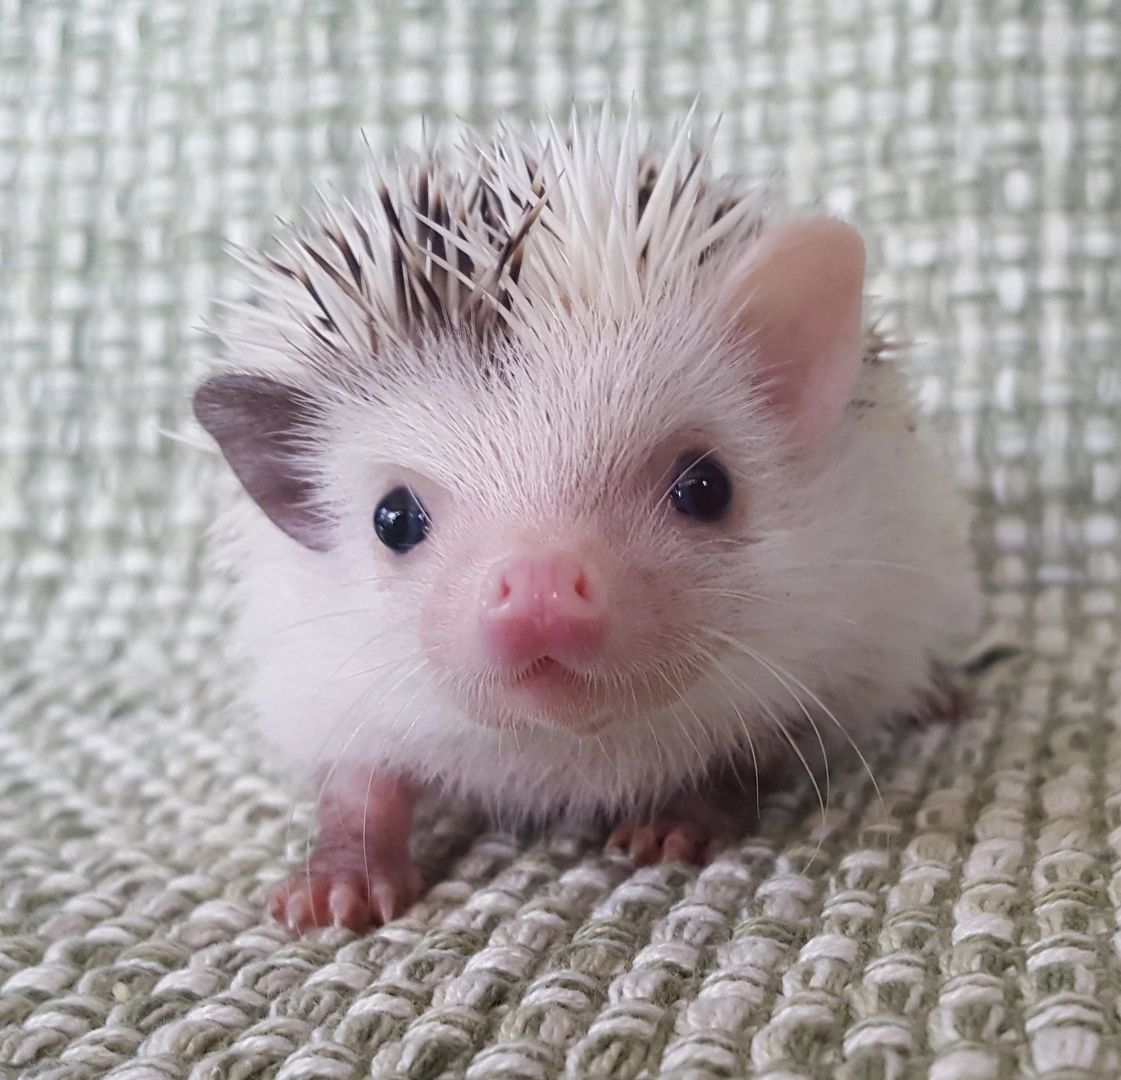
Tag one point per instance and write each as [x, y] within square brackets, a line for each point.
[800, 295]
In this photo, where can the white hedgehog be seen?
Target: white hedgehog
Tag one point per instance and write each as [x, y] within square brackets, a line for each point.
[575, 486]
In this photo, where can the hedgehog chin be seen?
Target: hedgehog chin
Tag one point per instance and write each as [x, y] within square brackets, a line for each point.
[560, 704]
[548, 696]
[580, 723]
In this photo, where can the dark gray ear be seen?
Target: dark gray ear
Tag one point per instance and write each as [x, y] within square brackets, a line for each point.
[260, 426]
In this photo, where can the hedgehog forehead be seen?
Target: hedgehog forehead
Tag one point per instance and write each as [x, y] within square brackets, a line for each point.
[564, 419]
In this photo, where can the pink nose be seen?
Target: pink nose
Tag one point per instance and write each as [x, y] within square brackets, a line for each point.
[544, 605]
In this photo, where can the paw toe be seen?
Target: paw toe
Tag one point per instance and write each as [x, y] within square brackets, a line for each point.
[666, 841]
[645, 846]
[346, 905]
[682, 844]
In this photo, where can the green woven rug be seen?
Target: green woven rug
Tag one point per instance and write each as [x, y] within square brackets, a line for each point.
[969, 928]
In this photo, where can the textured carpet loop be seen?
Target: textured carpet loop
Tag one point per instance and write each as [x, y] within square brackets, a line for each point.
[954, 915]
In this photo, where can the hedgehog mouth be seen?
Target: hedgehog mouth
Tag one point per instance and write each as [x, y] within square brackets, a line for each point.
[543, 693]
[547, 682]
[549, 693]
[548, 669]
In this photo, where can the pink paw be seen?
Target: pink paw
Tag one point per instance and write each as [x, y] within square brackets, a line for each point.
[668, 840]
[354, 898]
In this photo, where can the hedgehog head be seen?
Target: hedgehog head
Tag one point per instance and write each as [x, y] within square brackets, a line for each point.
[545, 401]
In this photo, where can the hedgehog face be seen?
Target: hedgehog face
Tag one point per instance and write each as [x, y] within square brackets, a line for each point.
[536, 568]
[556, 532]
[568, 519]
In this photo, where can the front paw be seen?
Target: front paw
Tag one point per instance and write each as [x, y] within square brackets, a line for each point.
[356, 897]
[667, 839]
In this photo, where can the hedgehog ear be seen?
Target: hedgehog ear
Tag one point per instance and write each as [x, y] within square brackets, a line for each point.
[258, 425]
[799, 310]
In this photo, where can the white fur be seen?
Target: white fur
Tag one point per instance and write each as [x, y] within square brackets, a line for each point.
[850, 562]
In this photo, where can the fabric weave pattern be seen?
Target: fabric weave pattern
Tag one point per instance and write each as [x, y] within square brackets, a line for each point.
[966, 926]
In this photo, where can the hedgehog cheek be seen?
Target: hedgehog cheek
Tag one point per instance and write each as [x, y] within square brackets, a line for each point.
[261, 427]
[797, 305]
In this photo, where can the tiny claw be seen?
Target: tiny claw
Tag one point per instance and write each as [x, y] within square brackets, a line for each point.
[680, 845]
[644, 846]
[383, 901]
[688, 829]
[299, 911]
[344, 904]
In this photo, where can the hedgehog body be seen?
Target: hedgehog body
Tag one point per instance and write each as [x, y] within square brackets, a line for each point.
[538, 338]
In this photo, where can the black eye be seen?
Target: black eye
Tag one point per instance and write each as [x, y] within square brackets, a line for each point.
[702, 490]
[400, 521]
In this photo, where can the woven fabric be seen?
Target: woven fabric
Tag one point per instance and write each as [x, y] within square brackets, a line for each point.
[966, 926]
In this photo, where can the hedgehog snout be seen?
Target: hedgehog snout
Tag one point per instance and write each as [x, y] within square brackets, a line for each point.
[548, 605]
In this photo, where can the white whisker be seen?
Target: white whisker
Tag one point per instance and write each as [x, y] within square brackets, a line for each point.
[775, 669]
[777, 721]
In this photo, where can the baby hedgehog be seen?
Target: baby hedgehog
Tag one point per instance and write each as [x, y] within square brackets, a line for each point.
[576, 486]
